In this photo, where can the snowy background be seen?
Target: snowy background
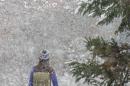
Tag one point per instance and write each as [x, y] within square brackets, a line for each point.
[28, 26]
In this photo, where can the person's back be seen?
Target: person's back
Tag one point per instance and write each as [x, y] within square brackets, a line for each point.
[42, 74]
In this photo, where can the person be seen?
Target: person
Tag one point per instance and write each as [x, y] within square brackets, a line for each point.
[42, 74]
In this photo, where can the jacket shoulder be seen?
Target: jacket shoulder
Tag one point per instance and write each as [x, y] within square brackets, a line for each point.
[51, 69]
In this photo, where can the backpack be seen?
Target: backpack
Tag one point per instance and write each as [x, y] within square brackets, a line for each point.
[41, 79]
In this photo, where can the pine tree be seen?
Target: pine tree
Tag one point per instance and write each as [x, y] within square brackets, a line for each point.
[114, 69]
[108, 10]
[112, 72]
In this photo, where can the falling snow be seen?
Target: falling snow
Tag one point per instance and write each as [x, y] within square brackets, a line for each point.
[28, 26]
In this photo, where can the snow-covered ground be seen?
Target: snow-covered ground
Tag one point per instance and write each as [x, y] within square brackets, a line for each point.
[28, 26]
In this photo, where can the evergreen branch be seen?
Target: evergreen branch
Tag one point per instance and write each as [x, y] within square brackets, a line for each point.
[108, 10]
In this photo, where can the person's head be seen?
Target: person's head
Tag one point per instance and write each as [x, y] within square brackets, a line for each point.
[44, 58]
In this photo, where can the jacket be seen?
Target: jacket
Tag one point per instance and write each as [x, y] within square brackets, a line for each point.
[53, 77]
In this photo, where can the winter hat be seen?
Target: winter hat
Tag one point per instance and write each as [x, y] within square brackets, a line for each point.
[44, 55]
